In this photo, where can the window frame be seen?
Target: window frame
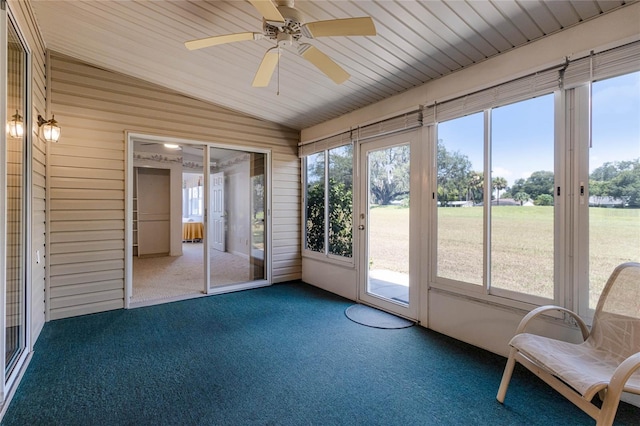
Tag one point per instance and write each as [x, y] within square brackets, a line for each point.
[581, 102]
[485, 291]
[324, 255]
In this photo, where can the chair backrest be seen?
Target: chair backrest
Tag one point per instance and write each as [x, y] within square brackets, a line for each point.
[616, 323]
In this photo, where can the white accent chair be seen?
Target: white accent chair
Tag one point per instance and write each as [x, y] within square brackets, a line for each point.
[606, 363]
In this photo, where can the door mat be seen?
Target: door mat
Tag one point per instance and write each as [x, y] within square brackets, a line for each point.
[376, 318]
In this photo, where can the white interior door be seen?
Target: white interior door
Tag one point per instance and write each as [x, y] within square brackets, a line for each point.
[218, 225]
[388, 278]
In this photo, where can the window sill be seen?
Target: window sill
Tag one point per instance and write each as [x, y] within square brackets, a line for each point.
[333, 260]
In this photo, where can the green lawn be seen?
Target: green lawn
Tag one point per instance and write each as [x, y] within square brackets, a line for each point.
[521, 249]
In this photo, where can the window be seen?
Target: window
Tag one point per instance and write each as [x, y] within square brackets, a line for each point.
[315, 202]
[614, 179]
[193, 195]
[496, 227]
[329, 202]
[460, 180]
[340, 203]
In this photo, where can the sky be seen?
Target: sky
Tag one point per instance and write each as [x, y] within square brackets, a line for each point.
[522, 133]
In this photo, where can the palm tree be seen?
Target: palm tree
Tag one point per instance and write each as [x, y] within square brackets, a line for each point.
[499, 183]
[476, 183]
[521, 196]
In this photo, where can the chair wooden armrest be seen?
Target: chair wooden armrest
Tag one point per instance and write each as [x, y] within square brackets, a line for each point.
[542, 309]
[616, 387]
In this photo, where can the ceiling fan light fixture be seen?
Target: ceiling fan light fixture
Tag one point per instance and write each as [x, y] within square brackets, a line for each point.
[285, 25]
[285, 40]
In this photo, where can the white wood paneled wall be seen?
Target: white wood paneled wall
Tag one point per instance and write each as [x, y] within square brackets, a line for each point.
[86, 177]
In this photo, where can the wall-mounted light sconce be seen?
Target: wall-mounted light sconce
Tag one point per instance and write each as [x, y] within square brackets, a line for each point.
[16, 126]
[50, 129]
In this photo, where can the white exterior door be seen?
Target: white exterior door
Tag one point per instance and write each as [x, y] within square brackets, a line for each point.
[389, 270]
[217, 233]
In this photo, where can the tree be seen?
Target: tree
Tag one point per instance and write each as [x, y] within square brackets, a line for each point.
[498, 183]
[544, 200]
[340, 218]
[539, 183]
[315, 217]
[454, 171]
[389, 174]
[518, 186]
[521, 197]
[618, 179]
[476, 186]
[626, 186]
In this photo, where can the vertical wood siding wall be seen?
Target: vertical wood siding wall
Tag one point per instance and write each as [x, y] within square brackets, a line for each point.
[26, 21]
[87, 177]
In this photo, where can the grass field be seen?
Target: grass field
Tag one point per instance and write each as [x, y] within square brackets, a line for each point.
[521, 250]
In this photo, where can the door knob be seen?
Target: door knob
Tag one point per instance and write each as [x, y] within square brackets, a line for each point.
[361, 227]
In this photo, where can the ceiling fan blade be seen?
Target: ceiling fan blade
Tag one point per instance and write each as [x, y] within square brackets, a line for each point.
[268, 10]
[324, 63]
[222, 39]
[266, 68]
[340, 27]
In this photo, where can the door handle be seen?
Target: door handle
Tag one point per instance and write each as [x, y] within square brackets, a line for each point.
[361, 227]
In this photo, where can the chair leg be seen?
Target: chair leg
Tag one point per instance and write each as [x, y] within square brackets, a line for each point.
[506, 376]
[608, 410]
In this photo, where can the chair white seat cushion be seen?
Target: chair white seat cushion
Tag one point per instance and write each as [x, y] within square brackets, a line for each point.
[583, 367]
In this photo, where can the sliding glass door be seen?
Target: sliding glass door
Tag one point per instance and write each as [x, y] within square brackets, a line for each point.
[236, 217]
[16, 211]
[199, 219]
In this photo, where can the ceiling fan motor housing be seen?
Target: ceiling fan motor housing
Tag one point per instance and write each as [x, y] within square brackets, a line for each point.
[291, 26]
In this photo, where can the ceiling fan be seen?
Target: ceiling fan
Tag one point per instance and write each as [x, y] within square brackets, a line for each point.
[285, 25]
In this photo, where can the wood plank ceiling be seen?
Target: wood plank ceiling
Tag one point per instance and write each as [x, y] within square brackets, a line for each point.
[417, 41]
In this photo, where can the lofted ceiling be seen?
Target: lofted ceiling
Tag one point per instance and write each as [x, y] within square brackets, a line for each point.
[416, 41]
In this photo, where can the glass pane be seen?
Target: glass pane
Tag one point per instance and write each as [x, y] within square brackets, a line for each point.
[522, 212]
[522, 218]
[168, 228]
[388, 230]
[460, 192]
[258, 194]
[314, 217]
[341, 201]
[614, 179]
[15, 215]
[237, 217]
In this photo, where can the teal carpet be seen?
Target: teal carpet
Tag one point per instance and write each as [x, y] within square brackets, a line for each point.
[281, 355]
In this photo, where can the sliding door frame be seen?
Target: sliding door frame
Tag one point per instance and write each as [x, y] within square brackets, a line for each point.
[12, 378]
[131, 138]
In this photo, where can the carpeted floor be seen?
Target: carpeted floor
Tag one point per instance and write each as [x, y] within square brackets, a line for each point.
[280, 355]
[157, 278]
